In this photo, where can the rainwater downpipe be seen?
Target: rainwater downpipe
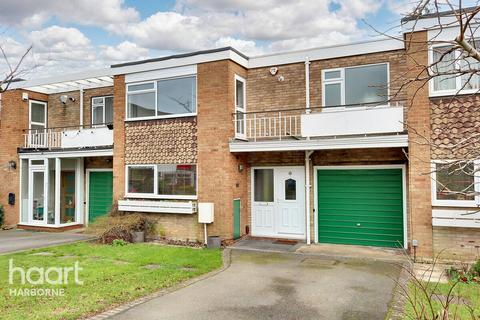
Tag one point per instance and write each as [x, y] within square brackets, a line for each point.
[307, 84]
[81, 108]
[308, 153]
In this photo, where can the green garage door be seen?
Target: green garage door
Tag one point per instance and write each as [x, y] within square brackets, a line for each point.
[100, 194]
[361, 207]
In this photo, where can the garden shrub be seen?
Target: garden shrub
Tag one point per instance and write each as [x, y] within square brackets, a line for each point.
[119, 243]
[116, 232]
[103, 226]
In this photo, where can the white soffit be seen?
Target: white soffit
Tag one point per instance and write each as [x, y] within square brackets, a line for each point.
[68, 82]
[182, 61]
[387, 141]
[161, 74]
[330, 52]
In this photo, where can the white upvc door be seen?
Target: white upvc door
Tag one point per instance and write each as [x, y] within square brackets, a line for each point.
[263, 202]
[278, 202]
[290, 201]
[37, 211]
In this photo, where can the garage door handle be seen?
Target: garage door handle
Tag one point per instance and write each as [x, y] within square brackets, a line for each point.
[359, 224]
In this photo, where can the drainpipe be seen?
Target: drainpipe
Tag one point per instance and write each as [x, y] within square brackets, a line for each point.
[308, 153]
[307, 84]
[81, 108]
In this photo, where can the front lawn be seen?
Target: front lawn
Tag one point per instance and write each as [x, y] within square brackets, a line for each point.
[463, 293]
[111, 275]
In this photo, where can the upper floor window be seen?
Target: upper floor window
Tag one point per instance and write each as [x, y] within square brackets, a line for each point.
[168, 97]
[452, 72]
[102, 110]
[355, 85]
[38, 115]
[240, 107]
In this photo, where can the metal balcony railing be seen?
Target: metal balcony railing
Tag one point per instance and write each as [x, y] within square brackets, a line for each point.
[327, 121]
[67, 137]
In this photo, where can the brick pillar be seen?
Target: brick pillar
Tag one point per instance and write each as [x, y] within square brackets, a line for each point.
[219, 180]
[118, 137]
[13, 119]
[419, 181]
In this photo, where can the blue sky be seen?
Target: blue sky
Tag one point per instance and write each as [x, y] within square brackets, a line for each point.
[70, 35]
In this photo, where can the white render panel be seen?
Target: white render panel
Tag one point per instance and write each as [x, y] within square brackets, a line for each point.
[161, 74]
[157, 206]
[365, 120]
[456, 218]
[93, 137]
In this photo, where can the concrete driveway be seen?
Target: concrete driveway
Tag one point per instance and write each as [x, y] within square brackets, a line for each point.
[261, 285]
[17, 240]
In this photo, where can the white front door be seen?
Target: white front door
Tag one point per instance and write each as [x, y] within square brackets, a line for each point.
[290, 201]
[278, 202]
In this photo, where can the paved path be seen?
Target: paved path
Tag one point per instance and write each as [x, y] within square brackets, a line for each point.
[17, 240]
[261, 285]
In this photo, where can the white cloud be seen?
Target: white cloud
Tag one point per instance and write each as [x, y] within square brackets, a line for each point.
[169, 30]
[58, 49]
[247, 47]
[125, 51]
[255, 26]
[31, 14]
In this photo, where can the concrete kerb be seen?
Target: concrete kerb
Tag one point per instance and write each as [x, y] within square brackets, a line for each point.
[60, 243]
[226, 259]
[326, 255]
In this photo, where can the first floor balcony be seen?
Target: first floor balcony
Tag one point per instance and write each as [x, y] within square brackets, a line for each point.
[69, 137]
[299, 129]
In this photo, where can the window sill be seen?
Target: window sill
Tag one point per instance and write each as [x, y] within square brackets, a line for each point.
[454, 203]
[181, 207]
[449, 93]
[184, 115]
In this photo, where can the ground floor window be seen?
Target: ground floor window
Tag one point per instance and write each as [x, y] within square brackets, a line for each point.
[51, 191]
[454, 183]
[162, 181]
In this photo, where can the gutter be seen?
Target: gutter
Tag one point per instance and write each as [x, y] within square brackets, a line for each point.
[308, 153]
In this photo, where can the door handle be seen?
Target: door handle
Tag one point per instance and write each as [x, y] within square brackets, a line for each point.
[359, 224]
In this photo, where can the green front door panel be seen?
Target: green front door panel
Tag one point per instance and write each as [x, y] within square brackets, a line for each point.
[100, 193]
[236, 218]
[360, 207]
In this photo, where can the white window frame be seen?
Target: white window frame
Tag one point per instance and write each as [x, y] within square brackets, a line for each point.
[154, 90]
[155, 194]
[458, 79]
[30, 122]
[238, 109]
[96, 105]
[341, 81]
[454, 203]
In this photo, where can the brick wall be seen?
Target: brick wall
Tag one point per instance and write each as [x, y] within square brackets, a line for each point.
[420, 202]
[98, 162]
[64, 115]
[13, 119]
[177, 226]
[219, 179]
[461, 244]
[167, 141]
[265, 92]
[118, 137]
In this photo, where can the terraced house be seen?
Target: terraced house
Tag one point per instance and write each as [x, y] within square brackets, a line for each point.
[306, 145]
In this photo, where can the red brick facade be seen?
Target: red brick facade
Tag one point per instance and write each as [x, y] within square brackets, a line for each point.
[224, 176]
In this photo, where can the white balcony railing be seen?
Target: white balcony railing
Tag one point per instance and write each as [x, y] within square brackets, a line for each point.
[57, 138]
[319, 122]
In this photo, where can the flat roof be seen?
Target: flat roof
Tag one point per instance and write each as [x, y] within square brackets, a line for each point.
[104, 77]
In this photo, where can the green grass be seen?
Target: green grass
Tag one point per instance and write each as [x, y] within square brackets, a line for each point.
[470, 292]
[111, 274]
